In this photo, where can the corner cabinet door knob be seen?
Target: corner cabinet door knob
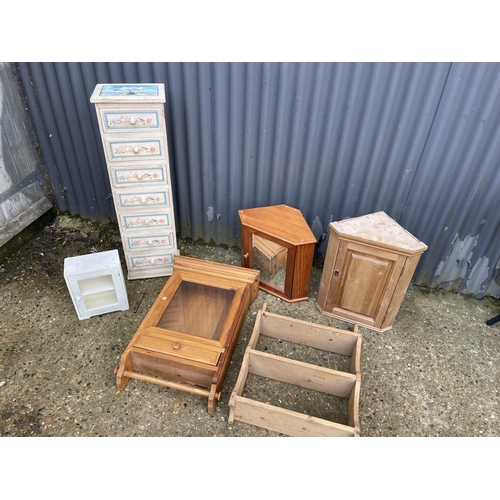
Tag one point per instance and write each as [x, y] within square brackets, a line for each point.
[336, 272]
[245, 255]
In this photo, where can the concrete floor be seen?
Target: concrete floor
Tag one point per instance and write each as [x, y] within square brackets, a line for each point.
[436, 373]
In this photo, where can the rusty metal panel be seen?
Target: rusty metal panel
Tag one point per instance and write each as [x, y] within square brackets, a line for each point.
[455, 201]
[335, 140]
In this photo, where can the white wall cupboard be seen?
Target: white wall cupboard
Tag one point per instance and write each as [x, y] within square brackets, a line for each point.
[96, 284]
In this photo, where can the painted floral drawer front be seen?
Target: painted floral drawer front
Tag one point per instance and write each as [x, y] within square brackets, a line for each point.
[124, 121]
[137, 176]
[120, 150]
[152, 261]
[137, 200]
[149, 242]
[146, 221]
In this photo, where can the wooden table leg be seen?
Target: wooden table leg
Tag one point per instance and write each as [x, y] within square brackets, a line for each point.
[213, 397]
[125, 365]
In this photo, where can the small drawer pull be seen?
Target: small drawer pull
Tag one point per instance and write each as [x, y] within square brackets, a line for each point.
[176, 346]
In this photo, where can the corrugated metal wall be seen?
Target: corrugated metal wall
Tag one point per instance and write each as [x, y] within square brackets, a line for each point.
[336, 140]
[455, 200]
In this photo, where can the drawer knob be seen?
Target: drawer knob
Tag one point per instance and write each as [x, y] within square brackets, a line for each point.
[175, 346]
[245, 255]
[336, 272]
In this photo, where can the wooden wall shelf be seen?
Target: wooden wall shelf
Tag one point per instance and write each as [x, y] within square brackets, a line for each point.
[342, 384]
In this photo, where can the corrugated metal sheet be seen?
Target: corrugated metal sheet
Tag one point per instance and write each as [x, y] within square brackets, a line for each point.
[456, 202]
[336, 140]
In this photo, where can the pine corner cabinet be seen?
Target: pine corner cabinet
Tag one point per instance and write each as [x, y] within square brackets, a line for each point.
[368, 266]
[277, 241]
[131, 121]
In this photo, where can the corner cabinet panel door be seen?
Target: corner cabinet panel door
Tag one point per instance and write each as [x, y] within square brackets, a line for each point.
[364, 280]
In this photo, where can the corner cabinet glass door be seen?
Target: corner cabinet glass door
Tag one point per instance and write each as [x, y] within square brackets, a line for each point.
[270, 259]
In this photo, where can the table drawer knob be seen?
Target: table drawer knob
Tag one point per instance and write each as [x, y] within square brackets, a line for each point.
[176, 346]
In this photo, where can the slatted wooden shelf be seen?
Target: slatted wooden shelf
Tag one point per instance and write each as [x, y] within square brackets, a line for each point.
[305, 375]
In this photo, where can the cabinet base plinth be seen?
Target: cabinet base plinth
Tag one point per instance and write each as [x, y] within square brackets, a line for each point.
[353, 321]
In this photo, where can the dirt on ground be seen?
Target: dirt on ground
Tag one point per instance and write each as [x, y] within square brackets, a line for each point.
[436, 373]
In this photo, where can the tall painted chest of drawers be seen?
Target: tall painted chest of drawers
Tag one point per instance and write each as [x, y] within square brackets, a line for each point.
[132, 124]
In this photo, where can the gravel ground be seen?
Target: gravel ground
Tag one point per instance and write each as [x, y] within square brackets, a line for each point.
[436, 373]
